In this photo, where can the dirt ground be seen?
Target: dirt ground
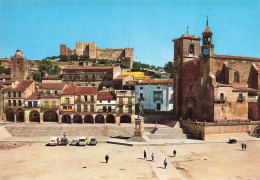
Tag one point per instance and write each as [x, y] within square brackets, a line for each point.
[194, 161]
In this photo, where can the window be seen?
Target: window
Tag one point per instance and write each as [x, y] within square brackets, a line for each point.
[120, 109]
[218, 74]
[86, 77]
[64, 107]
[46, 104]
[53, 104]
[14, 102]
[141, 96]
[130, 101]
[93, 76]
[14, 94]
[29, 103]
[67, 100]
[236, 77]
[109, 109]
[56, 93]
[19, 103]
[221, 96]
[92, 98]
[9, 103]
[91, 108]
[141, 88]
[158, 88]
[85, 108]
[86, 98]
[48, 92]
[19, 94]
[9, 94]
[129, 109]
[69, 107]
[34, 103]
[100, 101]
[78, 108]
[104, 109]
[120, 100]
[240, 96]
[191, 49]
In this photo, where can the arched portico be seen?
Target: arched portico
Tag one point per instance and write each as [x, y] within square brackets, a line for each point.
[66, 119]
[125, 119]
[110, 119]
[34, 116]
[88, 119]
[50, 116]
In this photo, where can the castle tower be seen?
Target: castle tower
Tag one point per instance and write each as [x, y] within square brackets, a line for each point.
[186, 48]
[18, 66]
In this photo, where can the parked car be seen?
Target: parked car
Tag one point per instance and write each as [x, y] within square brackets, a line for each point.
[63, 141]
[232, 141]
[74, 142]
[83, 141]
[93, 141]
[54, 141]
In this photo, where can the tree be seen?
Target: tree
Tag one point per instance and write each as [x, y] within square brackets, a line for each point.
[46, 66]
[168, 67]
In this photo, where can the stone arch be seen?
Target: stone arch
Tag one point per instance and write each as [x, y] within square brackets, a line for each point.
[125, 119]
[10, 115]
[236, 77]
[66, 119]
[77, 118]
[110, 119]
[88, 119]
[99, 118]
[19, 115]
[50, 116]
[34, 116]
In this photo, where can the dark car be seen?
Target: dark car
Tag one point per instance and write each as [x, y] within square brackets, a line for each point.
[92, 141]
[232, 141]
[64, 141]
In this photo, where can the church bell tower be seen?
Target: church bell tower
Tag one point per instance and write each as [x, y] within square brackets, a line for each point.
[207, 48]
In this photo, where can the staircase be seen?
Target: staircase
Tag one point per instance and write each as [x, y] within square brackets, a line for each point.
[72, 130]
[175, 132]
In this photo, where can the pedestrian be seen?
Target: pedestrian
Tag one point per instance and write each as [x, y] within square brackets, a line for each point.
[64, 134]
[106, 158]
[145, 155]
[242, 146]
[165, 163]
[174, 153]
[152, 156]
[245, 147]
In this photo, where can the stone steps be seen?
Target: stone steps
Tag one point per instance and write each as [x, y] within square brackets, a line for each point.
[167, 136]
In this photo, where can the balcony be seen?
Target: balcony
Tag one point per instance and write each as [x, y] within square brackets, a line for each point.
[101, 111]
[14, 105]
[252, 98]
[48, 95]
[45, 108]
[125, 93]
[220, 100]
[241, 99]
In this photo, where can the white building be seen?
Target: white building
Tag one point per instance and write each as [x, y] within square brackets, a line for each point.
[106, 101]
[155, 94]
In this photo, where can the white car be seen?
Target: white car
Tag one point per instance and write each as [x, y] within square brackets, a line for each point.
[54, 141]
[82, 141]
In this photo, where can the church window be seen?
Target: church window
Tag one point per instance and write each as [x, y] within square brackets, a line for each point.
[222, 96]
[191, 49]
[236, 77]
[218, 73]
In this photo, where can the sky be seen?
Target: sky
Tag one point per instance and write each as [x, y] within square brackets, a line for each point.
[39, 27]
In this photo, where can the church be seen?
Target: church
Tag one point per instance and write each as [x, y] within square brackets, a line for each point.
[212, 87]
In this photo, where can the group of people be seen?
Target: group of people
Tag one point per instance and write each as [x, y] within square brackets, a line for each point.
[164, 162]
[243, 147]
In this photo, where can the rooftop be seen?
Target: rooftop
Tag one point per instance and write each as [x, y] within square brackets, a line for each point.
[52, 76]
[34, 96]
[156, 81]
[79, 90]
[106, 95]
[88, 67]
[23, 85]
[51, 85]
[120, 77]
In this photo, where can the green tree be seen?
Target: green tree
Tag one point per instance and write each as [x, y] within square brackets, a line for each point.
[168, 67]
[46, 66]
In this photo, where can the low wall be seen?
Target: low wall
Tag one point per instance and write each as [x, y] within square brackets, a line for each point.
[218, 131]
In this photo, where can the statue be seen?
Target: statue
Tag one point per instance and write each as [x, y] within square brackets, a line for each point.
[140, 108]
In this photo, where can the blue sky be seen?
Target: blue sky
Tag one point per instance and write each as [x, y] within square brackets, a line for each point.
[39, 27]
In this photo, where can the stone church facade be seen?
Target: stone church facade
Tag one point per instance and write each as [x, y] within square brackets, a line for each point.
[214, 87]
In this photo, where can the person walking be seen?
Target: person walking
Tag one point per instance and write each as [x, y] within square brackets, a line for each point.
[165, 163]
[242, 146]
[152, 156]
[245, 147]
[106, 158]
[145, 155]
[174, 153]
[64, 134]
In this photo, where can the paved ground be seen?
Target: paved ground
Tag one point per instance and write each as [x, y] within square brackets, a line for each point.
[193, 161]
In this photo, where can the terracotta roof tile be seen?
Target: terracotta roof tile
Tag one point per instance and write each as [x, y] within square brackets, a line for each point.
[156, 81]
[51, 85]
[88, 67]
[34, 96]
[235, 57]
[23, 85]
[79, 90]
[52, 76]
[106, 96]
